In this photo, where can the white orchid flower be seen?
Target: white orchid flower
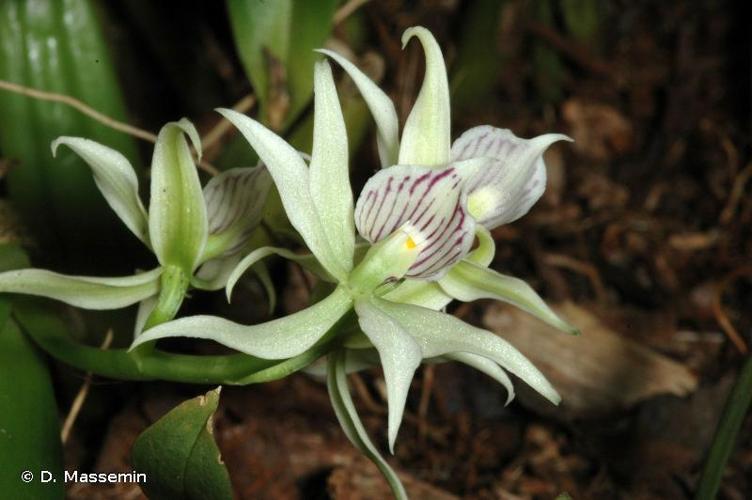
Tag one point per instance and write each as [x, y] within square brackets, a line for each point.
[196, 235]
[420, 218]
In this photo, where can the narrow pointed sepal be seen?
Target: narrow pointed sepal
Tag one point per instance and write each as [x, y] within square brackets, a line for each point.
[329, 172]
[400, 356]
[486, 366]
[115, 178]
[82, 291]
[426, 138]
[291, 176]
[348, 418]
[381, 107]
[439, 334]
[178, 225]
[277, 339]
[467, 282]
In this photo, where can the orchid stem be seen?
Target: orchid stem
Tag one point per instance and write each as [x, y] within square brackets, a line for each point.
[230, 369]
[736, 408]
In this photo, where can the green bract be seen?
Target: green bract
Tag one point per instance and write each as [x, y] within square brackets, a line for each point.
[185, 227]
[421, 216]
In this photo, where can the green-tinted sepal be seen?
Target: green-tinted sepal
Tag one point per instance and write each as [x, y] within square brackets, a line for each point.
[178, 225]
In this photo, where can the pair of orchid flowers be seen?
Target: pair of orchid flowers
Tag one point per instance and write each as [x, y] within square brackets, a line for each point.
[419, 216]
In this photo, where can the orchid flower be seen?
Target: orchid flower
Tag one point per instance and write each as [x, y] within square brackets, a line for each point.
[420, 218]
[197, 236]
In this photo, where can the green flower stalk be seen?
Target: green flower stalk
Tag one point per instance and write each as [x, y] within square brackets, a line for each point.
[197, 235]
[419, 217]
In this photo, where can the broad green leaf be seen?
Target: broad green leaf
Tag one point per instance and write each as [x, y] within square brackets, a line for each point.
[439, 334]
[82, 291]
[478, 62]
[467, 282]
[426, 136]
[57, 46]
[277, 339]
[329, 172]
[400, 357]
[29, 421]
[115, 178]
[179, 456]
[339, 395]
[275, 41]
[178, 225]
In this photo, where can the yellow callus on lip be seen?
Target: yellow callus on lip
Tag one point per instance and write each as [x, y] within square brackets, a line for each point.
[410, 243]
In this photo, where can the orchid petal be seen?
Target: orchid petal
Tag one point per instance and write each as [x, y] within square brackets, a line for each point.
[82, 291]
[400, 357]
[234, 207]
[439, 334]
[213, 274]
[467, 282]
[381, 107]
[277, 339]
[427, 133]
[431, 201]
[347, 415]
[145, 308]
[308, 261]
[115, 178]
[483, 254]
[420, 293]
[177, 212]
[506, 190]
[486, 366]
[291, 177]
[329, 173]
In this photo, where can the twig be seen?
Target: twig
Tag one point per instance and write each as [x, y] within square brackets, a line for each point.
[78, 401]
[80, 106]
[737, 190]
[347, 10]
[567, 262]
[720, 314]
[92, 113]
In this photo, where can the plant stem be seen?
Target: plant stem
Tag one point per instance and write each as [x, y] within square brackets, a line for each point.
[731, 421]
[232, 369]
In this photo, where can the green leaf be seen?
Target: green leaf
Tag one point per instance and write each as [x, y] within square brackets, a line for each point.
[29, 424]
[179, 456]
[478, 62]
[275, 41]
[57, 46]
[178, 225]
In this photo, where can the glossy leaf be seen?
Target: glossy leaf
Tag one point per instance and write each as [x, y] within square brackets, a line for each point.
[179, 456]
[275, 41]
[29, 420]
[57, 46]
